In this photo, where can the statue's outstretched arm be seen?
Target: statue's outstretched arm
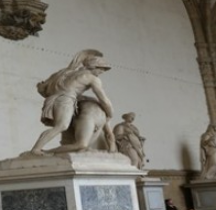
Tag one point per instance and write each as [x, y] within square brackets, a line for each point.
[97, 88]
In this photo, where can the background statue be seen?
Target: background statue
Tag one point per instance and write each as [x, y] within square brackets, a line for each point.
[61, 90]
[129, 141]
[208, 153]
[86, 127]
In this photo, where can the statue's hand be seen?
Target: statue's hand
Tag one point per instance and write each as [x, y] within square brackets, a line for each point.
[109, 115]
[41, 88]
[142, 138]
[141, 154]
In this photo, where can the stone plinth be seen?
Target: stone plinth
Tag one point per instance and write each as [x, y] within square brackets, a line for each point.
[203, 194]
[150, 193]
[76, 181]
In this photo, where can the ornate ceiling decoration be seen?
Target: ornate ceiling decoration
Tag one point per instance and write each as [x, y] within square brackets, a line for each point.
[21, 18]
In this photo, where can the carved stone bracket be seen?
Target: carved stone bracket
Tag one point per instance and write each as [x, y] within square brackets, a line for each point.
[21, 18]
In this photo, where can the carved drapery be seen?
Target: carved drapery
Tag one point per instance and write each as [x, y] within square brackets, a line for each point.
[21, 18]
[202, 14]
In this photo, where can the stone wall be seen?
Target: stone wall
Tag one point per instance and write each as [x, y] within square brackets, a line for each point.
[177, 190]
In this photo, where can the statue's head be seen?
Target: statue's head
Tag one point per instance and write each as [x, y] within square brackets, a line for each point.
[94, 62]
[89, 58]
[129, 117]
[96, 65]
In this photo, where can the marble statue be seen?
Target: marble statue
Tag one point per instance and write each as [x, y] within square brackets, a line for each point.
[129, 141]
[87, 124]
[62, 89]
[208, 153]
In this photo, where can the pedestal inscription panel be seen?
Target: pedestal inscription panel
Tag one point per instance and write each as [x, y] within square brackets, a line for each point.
[150, 193]
[203, 194]
[34, 199]
[206, 198]
[155, 199]
[104, 197]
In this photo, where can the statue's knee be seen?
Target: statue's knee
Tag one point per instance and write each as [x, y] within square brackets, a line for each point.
[62, 127]
[134, 161]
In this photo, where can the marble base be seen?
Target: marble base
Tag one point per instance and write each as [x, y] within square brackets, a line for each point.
[203, 194]
[150, 193]
[76, 181]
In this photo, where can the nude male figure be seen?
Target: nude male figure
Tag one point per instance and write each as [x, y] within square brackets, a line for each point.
[61, 90]
[87, 125]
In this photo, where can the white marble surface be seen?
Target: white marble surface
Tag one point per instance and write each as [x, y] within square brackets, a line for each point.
[31, 166]
[103, 182]
[105, 173]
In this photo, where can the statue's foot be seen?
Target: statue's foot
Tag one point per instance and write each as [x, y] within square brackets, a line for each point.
[25, 154]
[113, 149]
[41, 153]
[83, 150]
[48, 152]
[92, 150]
[37, 152]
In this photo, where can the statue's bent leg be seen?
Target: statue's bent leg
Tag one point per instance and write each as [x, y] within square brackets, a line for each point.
[84, 130]
[134, 157]
[211, 173]
[110, 138]
[62, 119]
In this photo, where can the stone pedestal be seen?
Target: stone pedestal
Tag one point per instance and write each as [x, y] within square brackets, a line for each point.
[203, 194]
[150, 193]
[76, 181]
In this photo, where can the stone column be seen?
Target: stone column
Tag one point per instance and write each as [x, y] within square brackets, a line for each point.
[200, 14]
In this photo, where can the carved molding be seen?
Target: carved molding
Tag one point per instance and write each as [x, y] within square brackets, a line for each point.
[174, 174]
[21, 18]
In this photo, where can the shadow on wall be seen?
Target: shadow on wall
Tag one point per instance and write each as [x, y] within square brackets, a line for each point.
[186, 156]
[187, 166]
